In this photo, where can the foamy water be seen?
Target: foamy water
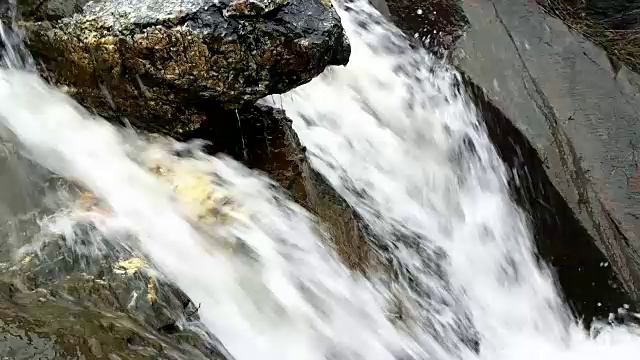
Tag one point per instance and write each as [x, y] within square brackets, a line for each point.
[394, 136]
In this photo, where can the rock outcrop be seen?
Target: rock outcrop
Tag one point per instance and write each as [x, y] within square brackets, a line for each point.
[563, 121]
[82, 296]
[158, 62]
[588, 282]
[192, 70]
[611, 24]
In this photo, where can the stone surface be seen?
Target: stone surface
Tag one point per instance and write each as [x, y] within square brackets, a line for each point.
[611, 24]
[382, 7]
[35, 325]
[580, 114]
[243, 8]
[262, 138]
[79, 296]
[588, 282]
[82, 294]
[156, 61]
[572, 245]
[93, 284]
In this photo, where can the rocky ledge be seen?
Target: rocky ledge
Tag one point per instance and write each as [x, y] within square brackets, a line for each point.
[157, 61]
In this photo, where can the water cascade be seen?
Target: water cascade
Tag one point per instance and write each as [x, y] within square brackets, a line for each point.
[394, 134]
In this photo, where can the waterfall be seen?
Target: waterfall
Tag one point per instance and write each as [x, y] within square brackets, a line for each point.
[395, 135]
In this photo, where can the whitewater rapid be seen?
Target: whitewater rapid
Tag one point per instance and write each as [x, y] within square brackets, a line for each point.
[393, 133]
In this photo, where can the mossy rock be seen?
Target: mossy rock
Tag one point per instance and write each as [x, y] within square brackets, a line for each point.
[80, 294]
[159, 62]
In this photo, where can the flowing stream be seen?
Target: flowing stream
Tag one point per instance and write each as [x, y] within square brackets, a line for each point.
[395, 136]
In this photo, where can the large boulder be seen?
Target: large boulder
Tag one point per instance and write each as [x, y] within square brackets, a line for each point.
[106, 287]
[159, 62]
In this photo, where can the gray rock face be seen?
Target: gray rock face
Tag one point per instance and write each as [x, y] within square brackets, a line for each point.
[154, 60]
[580, 114]
[571, 246]
[116, 304]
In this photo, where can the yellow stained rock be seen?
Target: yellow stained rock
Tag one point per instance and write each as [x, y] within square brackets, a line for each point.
[88, 201]
[129, 266]
[152, 291]
[27, 259]
[193, 188]
[133, 265]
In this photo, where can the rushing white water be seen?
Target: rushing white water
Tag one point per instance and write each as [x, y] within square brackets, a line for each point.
[395, 137]
[401, 143]
[288, 298]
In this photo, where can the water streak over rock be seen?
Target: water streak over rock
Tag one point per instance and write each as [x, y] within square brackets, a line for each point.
[262, 138]
[519, 100]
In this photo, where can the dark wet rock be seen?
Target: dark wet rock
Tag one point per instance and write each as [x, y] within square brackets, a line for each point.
[588, 281]
[84, 295]
[38, 10]
[92, 270]
[245, 8]
[157, 62]
[438, 24]
[262, 138]
[616, 14]
[36, 325]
